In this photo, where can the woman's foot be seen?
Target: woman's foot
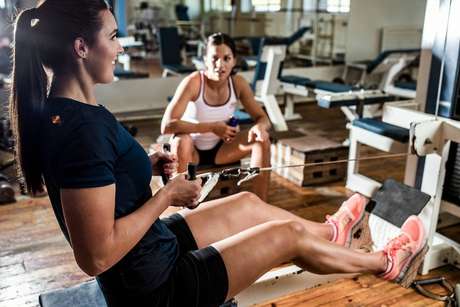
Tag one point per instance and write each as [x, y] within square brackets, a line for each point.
[405, 252]
[347, 219]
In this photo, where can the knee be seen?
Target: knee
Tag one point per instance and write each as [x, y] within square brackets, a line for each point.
[248, 197]
[300, 237]
[247, 200]
[296, 229]
[183, 143]
[289, 234]
[264, 145]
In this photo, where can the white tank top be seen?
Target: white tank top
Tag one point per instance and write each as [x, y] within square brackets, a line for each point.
[199, 111]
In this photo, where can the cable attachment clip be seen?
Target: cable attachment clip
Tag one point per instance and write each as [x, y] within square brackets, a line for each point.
[237, 172]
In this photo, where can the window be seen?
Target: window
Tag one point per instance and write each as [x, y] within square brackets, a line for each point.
[266, 5]
[217, 5]
[338, 6]
[2, 4]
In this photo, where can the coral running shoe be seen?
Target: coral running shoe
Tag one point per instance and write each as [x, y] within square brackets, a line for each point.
[347, 219]
[405, 252]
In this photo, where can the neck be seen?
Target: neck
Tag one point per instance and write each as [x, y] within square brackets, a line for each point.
[74, 87]
[213, 83]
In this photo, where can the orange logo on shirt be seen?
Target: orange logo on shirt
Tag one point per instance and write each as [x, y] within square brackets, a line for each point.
[56, 119]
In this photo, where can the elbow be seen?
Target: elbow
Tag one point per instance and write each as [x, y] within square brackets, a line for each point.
[265, 121]
[89, 271]
[269, 124]
[169, 127]
[91, 265]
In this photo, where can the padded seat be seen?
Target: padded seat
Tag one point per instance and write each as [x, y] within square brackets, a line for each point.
[333, 87]
[406, 85]
[351, 100]
[385, 54]
[317, 84]
[382, 128]
[87, 294]
[296, 80]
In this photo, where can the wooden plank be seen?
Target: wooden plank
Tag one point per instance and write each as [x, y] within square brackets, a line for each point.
[365, 290]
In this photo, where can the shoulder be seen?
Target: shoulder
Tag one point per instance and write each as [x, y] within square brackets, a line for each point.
[240, 84]
[78, 112]
[193, 80]
[189, 87]
[239, 81]
[98, 122]
[80, 119]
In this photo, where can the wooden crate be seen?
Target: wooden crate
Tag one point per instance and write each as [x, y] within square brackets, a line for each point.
[312, 149]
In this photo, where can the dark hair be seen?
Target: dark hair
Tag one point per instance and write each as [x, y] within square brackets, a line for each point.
[43, 37]
[220, 38]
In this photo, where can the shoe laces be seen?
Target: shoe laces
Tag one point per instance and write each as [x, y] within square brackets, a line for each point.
[343, 212]
[400, 243]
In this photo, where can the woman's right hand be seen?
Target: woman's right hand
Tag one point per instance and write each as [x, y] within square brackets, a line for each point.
[224, 131]
[183, 192]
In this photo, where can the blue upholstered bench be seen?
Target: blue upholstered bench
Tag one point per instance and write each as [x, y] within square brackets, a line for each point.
[317, 84]
[382, 128]
[406, 85]
[87, 294]
[296, 80]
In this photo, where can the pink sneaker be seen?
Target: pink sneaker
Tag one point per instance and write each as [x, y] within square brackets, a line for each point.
[405, 252]
[347, 219]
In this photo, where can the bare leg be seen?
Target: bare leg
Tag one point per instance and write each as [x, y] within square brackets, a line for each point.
[182, 146]
[233, 214]
[252, 252]
[260, 156]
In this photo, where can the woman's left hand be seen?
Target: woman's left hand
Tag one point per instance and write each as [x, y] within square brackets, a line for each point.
[166, 161]
[257, 134]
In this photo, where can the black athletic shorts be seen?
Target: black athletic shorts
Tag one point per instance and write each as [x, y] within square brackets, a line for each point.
[208, 156]
[200, 276]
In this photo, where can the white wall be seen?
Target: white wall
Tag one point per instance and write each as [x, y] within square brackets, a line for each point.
[167, 6]
[367, 17]
[282, 23]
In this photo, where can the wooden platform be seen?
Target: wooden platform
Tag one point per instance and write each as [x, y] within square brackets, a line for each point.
[34, 256]
[365, 290]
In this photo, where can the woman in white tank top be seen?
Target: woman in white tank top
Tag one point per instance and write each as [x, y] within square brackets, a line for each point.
[203, 104]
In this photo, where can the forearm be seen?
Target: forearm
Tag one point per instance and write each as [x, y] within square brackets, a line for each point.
[181, 126]
[127, 232]
[264, 122]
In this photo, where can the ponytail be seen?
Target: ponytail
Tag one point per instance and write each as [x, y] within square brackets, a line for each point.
[27, 99]
[44, 37]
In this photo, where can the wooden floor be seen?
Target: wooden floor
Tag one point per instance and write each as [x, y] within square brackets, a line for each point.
[34, 256]
[364, 290]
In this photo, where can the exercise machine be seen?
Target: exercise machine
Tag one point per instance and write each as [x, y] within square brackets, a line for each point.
[429, 136]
